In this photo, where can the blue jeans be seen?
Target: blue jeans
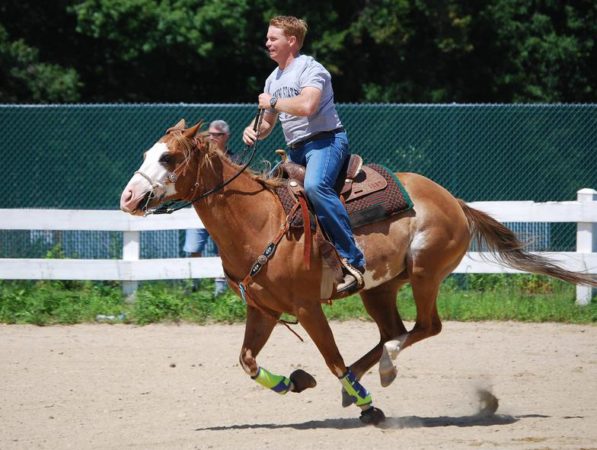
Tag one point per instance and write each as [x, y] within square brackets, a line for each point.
[195, 241]
[323, 160]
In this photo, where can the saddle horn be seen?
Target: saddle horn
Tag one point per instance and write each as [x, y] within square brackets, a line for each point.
[282, 154]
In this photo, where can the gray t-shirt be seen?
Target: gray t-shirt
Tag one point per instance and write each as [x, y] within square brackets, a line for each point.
[304, 72]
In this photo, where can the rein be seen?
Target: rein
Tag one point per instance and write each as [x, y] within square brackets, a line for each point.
[175, 205]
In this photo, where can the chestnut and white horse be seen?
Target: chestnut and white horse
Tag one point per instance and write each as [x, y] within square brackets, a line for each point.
[242, 214]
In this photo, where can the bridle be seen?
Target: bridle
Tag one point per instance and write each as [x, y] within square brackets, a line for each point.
[155, 185]
[175, 205]
[171, 176]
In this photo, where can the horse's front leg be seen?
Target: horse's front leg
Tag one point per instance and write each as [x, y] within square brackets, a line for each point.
[313, 320]
[258, 329]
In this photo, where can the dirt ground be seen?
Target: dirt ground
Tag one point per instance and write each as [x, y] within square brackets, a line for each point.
[181, 387]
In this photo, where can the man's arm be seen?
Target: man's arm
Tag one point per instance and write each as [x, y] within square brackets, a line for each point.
[305, 104]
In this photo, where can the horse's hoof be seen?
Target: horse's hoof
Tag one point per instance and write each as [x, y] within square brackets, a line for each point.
[372, 416]
[301, 380]
[387, 369]
[347, 400]
[387, 374]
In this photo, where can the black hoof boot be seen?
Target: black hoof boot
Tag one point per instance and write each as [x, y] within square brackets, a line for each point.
[372, 416]
[301, 380]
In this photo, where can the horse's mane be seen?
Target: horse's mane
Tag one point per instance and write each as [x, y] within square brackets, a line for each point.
[211, 150]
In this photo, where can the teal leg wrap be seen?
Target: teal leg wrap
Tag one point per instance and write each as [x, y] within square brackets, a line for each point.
[277, 383]
[355, 390]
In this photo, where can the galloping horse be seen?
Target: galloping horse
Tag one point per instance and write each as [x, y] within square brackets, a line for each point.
[242, 214]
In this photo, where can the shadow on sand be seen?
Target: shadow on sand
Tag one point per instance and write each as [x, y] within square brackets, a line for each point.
[477, 420]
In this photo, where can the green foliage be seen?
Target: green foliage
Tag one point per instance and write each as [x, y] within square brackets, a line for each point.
[502, 50]
[175, 301]
[463, 298]
[26, 78]
[46, 303]
[212, 51]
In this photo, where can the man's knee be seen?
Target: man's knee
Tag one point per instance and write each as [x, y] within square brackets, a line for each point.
[316, 191]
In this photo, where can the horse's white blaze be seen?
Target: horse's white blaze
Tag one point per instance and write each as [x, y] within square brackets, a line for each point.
[155, 171]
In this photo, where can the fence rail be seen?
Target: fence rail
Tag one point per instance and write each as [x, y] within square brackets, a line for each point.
[131, 269]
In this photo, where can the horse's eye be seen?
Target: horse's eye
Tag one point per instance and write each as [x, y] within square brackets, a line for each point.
[167, 158]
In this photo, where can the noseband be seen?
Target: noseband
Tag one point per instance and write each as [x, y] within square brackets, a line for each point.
[172, 177]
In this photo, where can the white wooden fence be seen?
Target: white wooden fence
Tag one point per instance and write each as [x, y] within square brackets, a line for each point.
[131, 269]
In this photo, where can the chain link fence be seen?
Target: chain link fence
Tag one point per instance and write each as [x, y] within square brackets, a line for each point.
[81, 157]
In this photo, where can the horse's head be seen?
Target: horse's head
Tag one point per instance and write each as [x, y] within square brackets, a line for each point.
[168, 172]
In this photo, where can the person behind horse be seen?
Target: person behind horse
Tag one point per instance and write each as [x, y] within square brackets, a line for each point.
[299, 92]
[196, 239]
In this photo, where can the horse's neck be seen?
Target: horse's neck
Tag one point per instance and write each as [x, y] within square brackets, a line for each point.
[242, 216]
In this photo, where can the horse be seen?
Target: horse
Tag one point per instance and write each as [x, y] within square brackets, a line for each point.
[240, 210]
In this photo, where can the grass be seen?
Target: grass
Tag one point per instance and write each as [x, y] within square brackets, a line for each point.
[528, 298]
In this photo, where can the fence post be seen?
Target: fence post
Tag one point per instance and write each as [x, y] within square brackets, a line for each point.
[586, 242]
[130, 252]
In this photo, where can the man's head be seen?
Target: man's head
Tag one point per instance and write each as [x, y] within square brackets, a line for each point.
[285, 36]
[219, 133]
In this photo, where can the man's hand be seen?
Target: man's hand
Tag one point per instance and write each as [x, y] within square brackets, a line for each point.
[249, 135]
[264, 101]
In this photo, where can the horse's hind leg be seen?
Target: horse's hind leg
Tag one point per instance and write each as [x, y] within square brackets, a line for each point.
[380, 303]
[258, 329]
[425, 291]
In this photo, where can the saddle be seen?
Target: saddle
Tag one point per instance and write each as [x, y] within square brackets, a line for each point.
[354, 181]
[370, 193]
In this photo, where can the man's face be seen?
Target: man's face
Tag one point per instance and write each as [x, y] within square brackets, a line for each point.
[218, 138]
[277, 44]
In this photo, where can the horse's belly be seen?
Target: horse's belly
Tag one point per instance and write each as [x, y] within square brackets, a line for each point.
[385, 250]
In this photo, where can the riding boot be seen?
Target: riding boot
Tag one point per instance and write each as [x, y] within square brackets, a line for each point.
[353, 279]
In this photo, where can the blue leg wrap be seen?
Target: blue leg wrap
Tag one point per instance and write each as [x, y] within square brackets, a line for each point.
[355, 390]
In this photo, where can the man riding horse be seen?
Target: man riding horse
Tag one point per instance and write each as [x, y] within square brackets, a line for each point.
[299, 92]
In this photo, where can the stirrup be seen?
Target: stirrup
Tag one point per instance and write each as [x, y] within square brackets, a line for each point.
[353, 279]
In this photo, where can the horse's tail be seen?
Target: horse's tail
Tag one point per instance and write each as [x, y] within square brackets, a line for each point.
[503, 243]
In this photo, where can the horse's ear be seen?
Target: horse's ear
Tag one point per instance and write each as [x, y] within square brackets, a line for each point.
[191, 132]
[181, 125]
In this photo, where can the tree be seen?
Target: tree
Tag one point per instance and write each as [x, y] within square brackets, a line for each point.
[377, 51]
[24, 78]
